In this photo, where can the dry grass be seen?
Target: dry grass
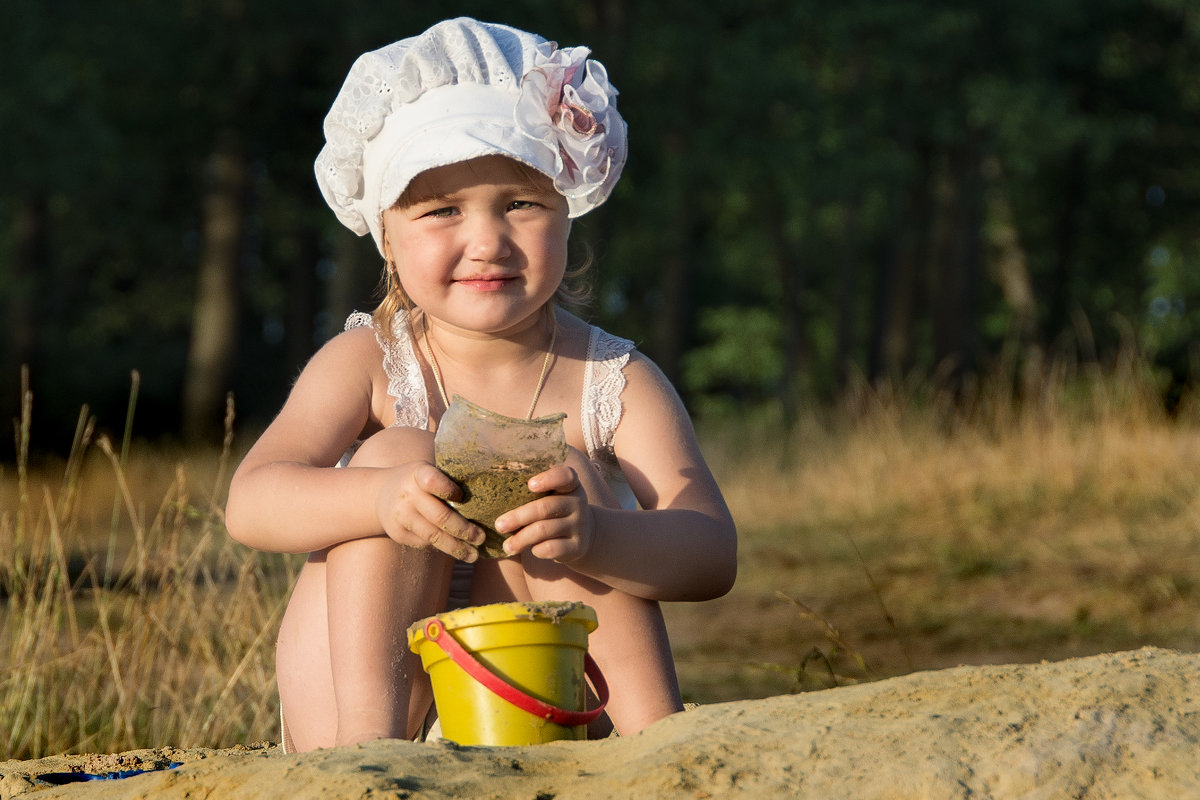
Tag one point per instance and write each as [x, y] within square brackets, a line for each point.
[129, 618]
[891, 535]
[1065, 525]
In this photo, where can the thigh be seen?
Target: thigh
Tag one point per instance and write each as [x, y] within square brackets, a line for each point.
[499, 581]
[302, 661]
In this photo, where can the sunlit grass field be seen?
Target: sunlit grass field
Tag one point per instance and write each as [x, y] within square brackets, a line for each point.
[897, 532]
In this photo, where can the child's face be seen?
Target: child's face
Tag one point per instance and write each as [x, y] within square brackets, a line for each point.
[481, 245]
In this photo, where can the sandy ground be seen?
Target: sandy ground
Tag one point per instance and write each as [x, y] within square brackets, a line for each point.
[1112, 726]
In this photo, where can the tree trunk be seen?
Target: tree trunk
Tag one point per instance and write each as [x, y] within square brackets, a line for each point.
[958, 263]
[1066, 235]
[30, 256]
[1010, 265]
[847, 300]
[793, 285]
[890, 352]
[301, 315]
[215, 318]
[675, 298]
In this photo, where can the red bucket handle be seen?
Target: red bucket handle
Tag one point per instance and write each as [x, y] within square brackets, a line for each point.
[560, 716]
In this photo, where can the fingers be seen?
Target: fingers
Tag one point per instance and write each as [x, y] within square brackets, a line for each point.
[419, 531]
[562, 487]
[556, 527]
[455, 548]
[431, 479]
[442, 528]
[416, 514]
[560, 480]
[549, 508]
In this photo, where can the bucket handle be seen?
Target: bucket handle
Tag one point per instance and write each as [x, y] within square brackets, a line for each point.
[560, 716]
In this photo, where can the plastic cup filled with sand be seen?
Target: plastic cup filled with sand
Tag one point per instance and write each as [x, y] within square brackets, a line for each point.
[492, 457]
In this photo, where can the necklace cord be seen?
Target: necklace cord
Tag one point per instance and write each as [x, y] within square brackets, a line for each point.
[437, 372]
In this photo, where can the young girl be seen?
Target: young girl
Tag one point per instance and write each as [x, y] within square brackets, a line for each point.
[465, 152]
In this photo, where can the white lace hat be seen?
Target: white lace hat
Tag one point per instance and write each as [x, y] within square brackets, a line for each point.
[461, 90]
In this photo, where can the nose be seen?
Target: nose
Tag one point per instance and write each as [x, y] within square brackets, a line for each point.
[488, 239]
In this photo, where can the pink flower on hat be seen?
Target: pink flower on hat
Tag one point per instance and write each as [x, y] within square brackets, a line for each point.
[567, 103]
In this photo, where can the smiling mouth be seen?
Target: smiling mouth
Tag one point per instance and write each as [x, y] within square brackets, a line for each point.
[487, 282]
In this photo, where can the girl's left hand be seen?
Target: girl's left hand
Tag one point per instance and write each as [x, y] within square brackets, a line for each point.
[557, 527]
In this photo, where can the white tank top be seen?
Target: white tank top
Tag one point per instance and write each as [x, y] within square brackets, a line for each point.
[600, 406]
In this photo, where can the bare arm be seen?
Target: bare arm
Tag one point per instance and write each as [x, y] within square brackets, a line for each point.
[682, 545]
[286, 496]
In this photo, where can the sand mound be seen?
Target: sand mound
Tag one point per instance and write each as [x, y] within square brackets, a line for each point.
[1120, 725]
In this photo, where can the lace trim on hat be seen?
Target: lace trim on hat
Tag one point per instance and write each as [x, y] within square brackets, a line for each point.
[383, 81]
[562, 101]
[406, 384]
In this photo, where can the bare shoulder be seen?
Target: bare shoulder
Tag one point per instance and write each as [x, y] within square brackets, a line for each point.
[656, 445]
[335, 400]
[355, 343]
[653, 416]
[647, 387]
[647, 391]
[352, 361]
[574, 333]
[362, 336]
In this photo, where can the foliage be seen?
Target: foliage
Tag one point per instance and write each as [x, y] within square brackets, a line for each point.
[880, 188]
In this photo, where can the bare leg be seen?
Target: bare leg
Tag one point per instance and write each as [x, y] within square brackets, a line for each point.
[377, 589]
[302, 662]
[630, 645]
[345, 671]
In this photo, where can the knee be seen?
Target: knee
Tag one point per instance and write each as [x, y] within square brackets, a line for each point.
[391, 447]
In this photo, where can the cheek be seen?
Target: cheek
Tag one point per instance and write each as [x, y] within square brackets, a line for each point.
[557, 244]
[554, 258]
[414, 254]
[416, 274]
[417, 269]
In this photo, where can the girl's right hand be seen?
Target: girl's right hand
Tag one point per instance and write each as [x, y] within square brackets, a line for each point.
[413, 510]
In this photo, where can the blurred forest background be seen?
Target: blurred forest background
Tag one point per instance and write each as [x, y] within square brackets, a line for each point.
[817, 194]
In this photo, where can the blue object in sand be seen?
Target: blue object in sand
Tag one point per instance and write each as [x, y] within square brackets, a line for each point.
[60, 778]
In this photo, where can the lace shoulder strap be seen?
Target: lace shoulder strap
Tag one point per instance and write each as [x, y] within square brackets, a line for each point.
[406, 384]
[603, 383]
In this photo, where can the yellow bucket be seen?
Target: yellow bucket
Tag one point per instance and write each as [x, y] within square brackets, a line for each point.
[510, 673]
